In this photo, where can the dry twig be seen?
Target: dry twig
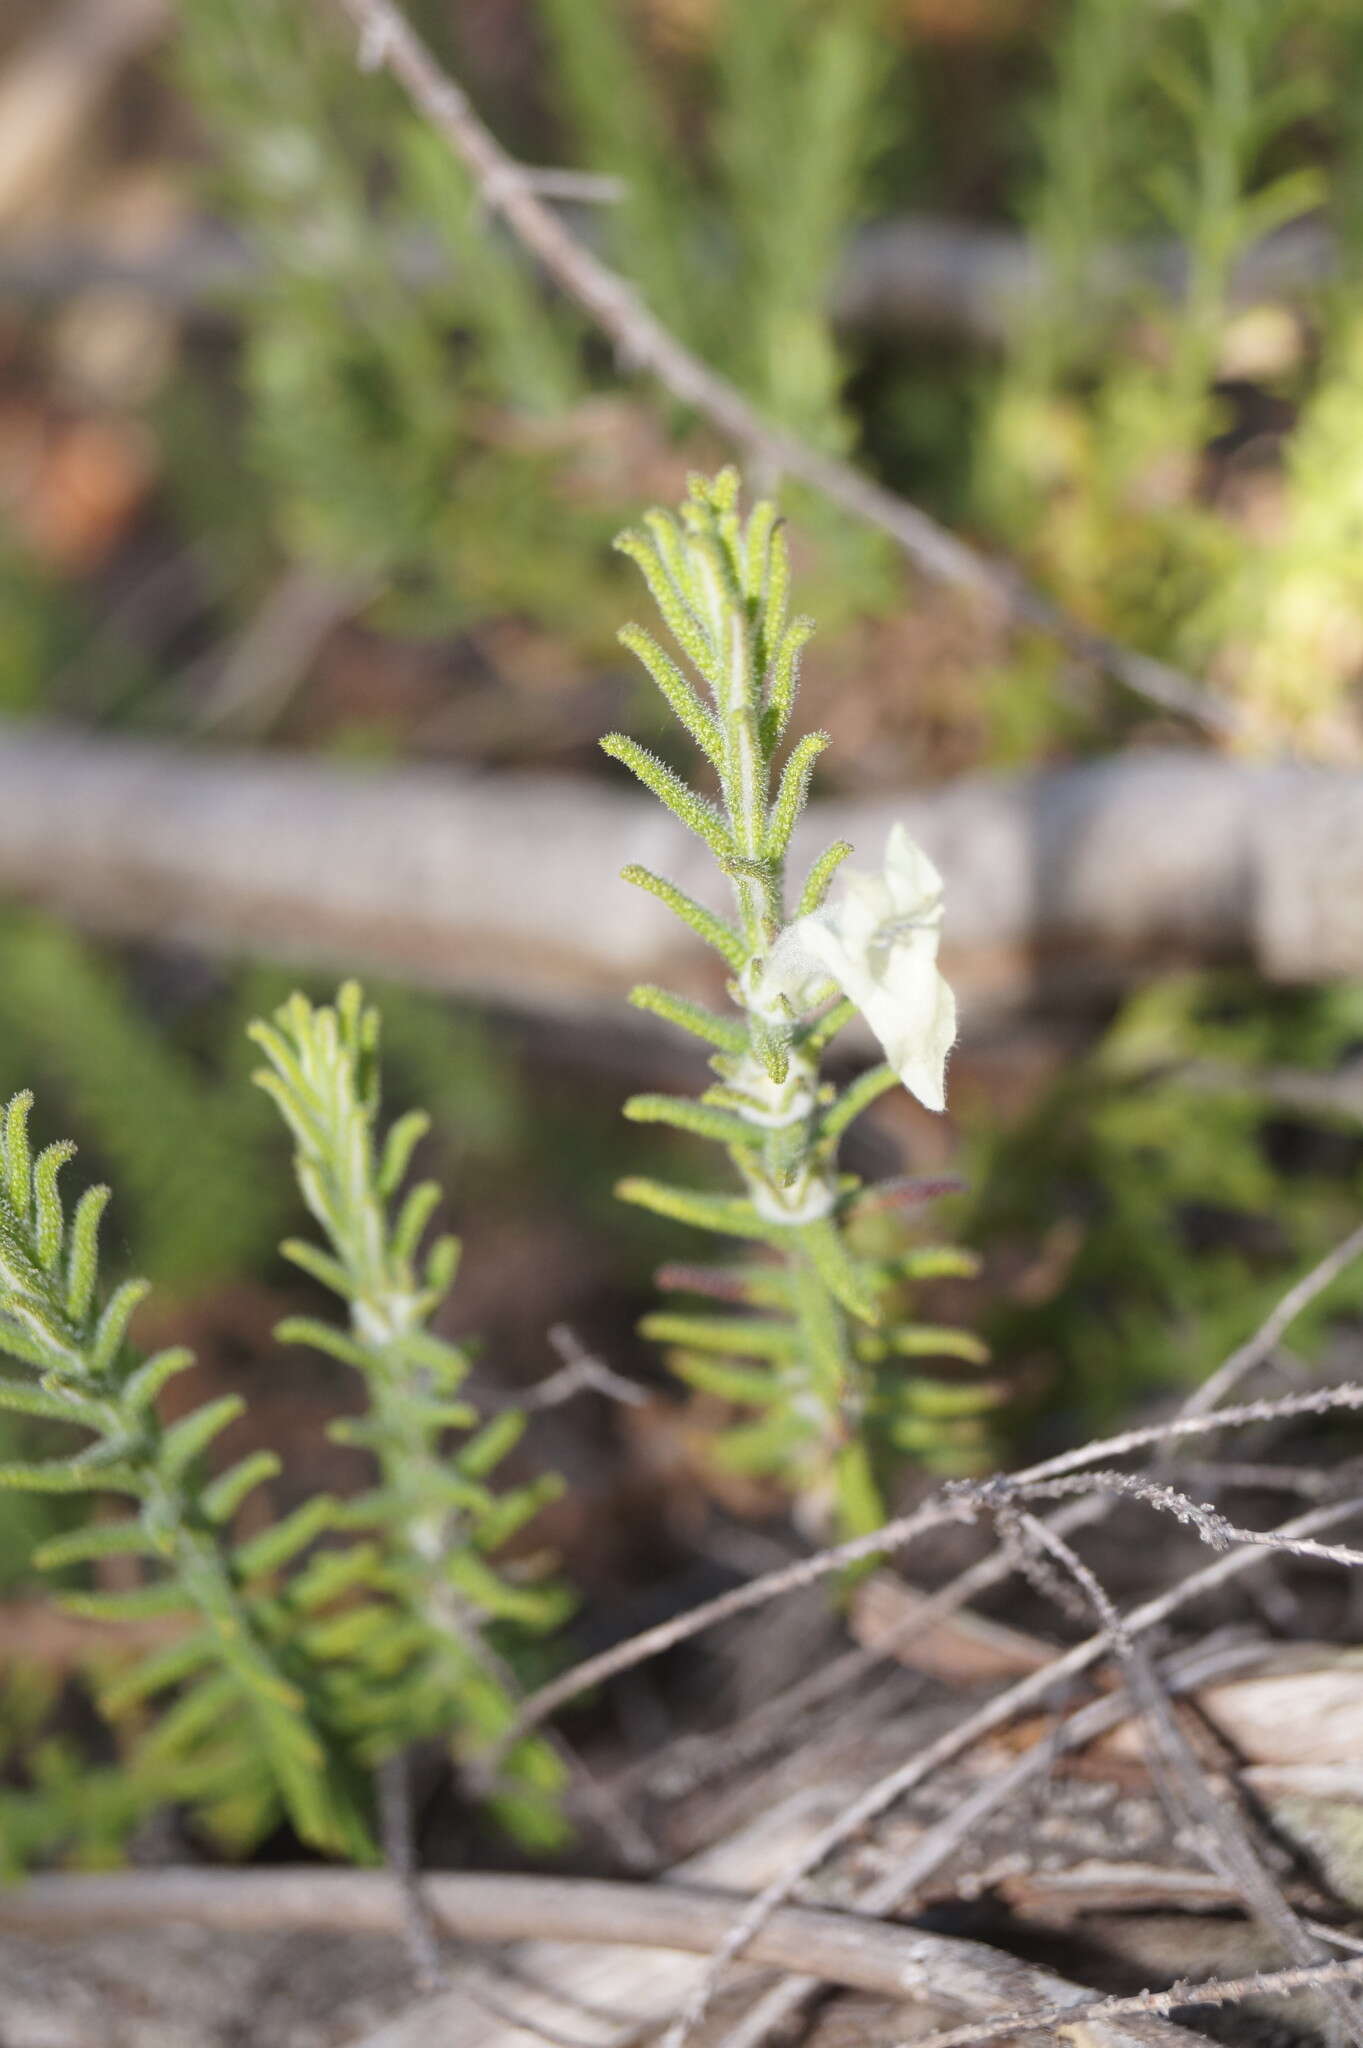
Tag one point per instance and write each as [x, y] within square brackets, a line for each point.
[1215, 1991]
[960, 1502]
[399, 1849]
[995, 1713]
[845, 1948]
[1214, 1389]
[1222, 1840]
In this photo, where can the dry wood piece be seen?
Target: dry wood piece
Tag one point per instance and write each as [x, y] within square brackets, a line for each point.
[1058, 885]
[587, 1993]
[1319, 1808]
[961, 1648]
[1304, 1705]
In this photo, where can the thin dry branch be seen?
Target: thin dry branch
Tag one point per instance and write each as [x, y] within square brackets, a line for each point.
[394, 1786]
[962, 1501]
[995, 1713]
[1214, 1991]
[1214, 1389]
[894, 1891]
[783, 2001]
[1221, 1838]
[642, 342]
[905, 1879]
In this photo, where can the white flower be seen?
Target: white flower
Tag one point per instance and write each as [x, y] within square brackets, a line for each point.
[879, 943]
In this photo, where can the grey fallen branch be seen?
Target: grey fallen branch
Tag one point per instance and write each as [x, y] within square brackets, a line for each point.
[1060, 885]
[901, 276]
[952, 1976]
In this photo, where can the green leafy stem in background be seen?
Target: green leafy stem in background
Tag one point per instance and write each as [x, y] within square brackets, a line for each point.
[343, 1631]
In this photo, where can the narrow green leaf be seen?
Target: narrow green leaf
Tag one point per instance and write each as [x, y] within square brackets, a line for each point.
[141, 1387]
[784, 682]
[835, 1267]
[21, 1397]
[724, 1032]
[442, 1265]
[504, 1515]
[691, 713]
[320, 1265]
[936, 1261]
[485, 1451]
[202, 1709]
[714, 930]
[96, 1540]
[222, 1496]
[757, 546]
[142, 1604]
[738, 1336]
[48, 1223]
[416, 1212]
[59, 1476]
[750, 1389]
[860, 1507]
[772, 1445]
[793, 792]
[697, 813]
[723, 1213]
[775, 597]
[32, 1329]
[443, 1363]
[112, 1327]
[82, 1258]
[186, 1439]
[952, 1398]
[170, 1666]
[924, 1340]
[820, 875]
[323, 1337]
[820, 1034]
[865, 1090]
[278, 1545]
[401, 1142]
[18, 1154]
[490, 1592]
[682, 621]
[682, 1114]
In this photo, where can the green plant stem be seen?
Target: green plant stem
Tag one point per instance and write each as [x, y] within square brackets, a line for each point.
[724, 590]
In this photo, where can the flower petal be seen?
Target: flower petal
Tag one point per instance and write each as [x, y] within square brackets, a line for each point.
[913, 881]
[879, 943]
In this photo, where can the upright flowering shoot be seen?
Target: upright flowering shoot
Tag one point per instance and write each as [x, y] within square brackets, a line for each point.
[812, 1335]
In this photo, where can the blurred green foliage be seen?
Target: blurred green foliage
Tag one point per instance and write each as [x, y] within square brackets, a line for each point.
[413, 409]
[1177, 462]
[303, 1652]
[1163, 1193]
